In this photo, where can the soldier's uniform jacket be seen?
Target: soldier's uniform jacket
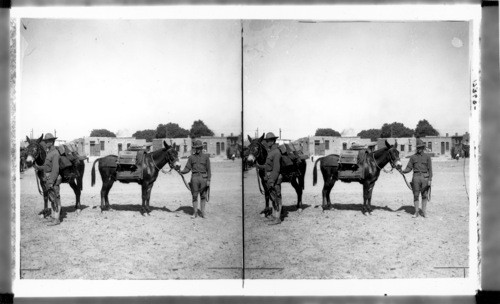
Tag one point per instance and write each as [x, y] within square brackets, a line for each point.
[420, 164]
[198, 164]
[272, 165]
[51, 165]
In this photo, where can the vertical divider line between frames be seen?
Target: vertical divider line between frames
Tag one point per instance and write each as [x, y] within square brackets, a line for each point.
[242, 169]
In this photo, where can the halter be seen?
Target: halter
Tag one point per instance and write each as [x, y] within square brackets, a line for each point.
[261, 146]
[391, 161]
[168, 161]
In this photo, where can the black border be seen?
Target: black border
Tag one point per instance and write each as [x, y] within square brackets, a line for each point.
[489, 160]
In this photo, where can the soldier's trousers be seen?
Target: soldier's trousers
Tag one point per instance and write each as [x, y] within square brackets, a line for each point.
[199, 186]
[54, 192]
[420, 182]
[275, 190]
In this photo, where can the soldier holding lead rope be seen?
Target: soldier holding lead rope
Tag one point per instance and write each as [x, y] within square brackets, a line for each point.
[199, 164]
[421, 164]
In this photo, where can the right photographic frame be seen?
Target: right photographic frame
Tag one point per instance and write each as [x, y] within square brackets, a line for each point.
[360, 152]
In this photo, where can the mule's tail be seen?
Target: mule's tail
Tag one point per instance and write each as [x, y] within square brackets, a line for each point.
[315, 172]
[93, 173]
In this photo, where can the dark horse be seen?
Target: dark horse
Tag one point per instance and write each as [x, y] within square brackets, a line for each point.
[256, 152]
[372, 164]
[36, 154]
[151, 166]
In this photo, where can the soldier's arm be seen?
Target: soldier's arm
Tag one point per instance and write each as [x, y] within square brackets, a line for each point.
[276, 168]
[409, 166]
[55, 169]
[209, 171]
[187, 168]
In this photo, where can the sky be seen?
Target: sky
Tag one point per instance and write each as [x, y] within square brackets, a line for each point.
[128, 75]
[352, 76]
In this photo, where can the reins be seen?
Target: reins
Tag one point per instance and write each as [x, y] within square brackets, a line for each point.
[257, 169]
[165, 172]
[386, 171]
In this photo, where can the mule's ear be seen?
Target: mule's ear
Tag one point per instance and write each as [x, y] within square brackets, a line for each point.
[40, 139]
[166, 145]
[262, 137]
[27, 139]
[387, 144]
[249, 138]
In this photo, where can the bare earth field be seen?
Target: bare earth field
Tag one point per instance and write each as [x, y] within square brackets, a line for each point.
[342, 243]
[123, 244]
[338, 244]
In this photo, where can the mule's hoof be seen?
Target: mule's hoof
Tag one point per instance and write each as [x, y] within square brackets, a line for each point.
[300, 210]
[41, 215]
[54, 222]
[78, 211]
[275, 222]
[148, 213]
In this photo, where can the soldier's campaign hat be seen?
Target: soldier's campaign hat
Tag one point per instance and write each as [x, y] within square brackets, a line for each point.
[420, 143]
[197, 144]
[271, 135]
[49, 137]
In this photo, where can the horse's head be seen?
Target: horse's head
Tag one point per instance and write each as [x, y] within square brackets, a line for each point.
[171, 155]
[255, 150]
[34, 151]
[393, 155]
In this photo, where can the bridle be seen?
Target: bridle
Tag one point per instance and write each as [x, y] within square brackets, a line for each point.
[169, 161]
[391, 161]
[261, 148]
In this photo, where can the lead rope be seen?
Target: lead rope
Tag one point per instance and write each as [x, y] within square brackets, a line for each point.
[38, 182]
[169, 171]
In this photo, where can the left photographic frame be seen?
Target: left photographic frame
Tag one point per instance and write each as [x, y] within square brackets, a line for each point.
[151, 110]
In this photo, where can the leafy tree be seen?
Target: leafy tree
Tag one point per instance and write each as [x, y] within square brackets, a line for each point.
[200, 129]
[424, 128]
[102, 133]
[326, 132]
[148, 135]
[395, 129]
[372, 134]
[171, 130]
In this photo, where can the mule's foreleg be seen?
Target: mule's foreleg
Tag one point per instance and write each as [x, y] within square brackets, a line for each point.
[267, 196]
[76, 189]
[146, 195]
[369, 197]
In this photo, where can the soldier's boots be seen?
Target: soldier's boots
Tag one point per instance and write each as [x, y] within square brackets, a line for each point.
[203, 213]
[424, 207]
[415, 203]
[195, 208]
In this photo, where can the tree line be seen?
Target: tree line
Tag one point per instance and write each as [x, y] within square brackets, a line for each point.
[395, 129]
[169, 130]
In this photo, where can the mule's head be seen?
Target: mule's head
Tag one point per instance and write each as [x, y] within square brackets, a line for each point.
[172, 155]
[33, 151]
[393, 155]
[254, 150]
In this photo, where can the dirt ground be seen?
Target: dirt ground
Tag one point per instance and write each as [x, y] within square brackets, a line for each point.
[123, 244]
[338, 244]
[342, 243]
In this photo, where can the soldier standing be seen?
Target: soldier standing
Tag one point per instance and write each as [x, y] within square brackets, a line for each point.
[52, 177]
[199, 164]
[273, 176]
[421, 165]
